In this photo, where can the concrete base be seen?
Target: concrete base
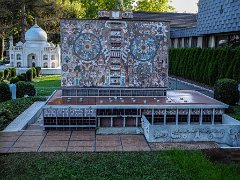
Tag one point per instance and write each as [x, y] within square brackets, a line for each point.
[220, 133]
[124, 130]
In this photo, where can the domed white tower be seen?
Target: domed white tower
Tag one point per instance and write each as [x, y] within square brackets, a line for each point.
[36, 51]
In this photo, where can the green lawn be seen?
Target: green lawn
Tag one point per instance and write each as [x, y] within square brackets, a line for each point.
[45, 85]
[174, 164]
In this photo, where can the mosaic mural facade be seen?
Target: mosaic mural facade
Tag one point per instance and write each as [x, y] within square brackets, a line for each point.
[114, 53]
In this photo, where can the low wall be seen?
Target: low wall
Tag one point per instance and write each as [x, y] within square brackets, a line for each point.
[220, 133]
[45, 71]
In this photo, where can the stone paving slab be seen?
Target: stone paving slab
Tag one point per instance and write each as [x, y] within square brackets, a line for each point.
[85, 141]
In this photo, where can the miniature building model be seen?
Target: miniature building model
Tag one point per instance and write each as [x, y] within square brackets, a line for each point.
[115, 74]
[36, 51]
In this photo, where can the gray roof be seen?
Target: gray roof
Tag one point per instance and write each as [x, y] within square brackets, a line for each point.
[177, 20]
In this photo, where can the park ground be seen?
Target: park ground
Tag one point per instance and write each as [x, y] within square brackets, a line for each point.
[175, 164]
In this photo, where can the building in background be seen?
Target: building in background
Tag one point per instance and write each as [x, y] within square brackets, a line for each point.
[217, 24]
[36, 51]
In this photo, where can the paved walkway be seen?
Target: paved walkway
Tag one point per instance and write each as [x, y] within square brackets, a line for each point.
[83, 141]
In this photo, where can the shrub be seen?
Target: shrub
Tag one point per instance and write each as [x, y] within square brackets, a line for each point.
[25, 88]
[25, 77]
[14, 80]
[29, 75]
[34, 73]
[13, 72]
[226, 90]
[21, 77]
[1, 75]
[5, 93]
[6, 73]
[38, 71]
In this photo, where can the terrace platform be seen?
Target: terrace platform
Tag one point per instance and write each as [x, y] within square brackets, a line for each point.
[181, 97]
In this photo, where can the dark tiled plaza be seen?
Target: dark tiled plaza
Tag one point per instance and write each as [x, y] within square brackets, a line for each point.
[84, 141]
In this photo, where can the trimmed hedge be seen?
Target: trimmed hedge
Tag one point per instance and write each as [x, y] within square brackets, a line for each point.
[13, 72]
[34, 73]
[29, 75]
[226, 90]
[6, 73]
[14, 80]
[5, 93]
[21, 77]
[25, 88]
[38, 71]
[1, 75]
[205, 65]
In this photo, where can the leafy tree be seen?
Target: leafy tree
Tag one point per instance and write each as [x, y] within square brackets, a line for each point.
[154, 6]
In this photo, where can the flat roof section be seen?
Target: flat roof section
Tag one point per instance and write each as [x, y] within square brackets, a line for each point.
[183, 97]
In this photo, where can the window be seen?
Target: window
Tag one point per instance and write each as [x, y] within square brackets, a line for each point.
[33, 57]
[18, 56]
[45, 57]
[172, 42]
[205, 42]
[11, 56]
[221, 41]
[53, 65]
[45, 65]
[186, 42]
[18, 64]
[52, 57]
[179, 42]
[194, 42]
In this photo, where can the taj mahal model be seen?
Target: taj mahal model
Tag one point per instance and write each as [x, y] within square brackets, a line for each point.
[36, 51]
[115, 78]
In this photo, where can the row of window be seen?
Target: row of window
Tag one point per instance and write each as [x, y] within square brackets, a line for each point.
[45, 65]
[33, 57]
[232, 40]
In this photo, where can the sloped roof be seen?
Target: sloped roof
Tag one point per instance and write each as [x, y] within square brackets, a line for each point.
[177, 20]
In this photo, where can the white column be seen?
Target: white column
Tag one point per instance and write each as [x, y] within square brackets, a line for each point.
[99, 122]
[165, 117]
[199, 42]
[190, 42]
[213, 116]
[124, 121]
[175, 42]
[136, 121]
[189, 116]
[182, 43]
[111, 121]
[177, 117]
[212, 41]
[152, 117]
[201, 116]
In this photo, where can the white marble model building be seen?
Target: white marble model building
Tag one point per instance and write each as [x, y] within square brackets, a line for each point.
[36, 51]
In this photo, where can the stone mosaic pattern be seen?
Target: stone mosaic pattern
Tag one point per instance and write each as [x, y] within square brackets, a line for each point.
[115, 53]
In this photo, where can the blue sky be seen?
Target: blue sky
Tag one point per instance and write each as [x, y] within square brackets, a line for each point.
[189, 6]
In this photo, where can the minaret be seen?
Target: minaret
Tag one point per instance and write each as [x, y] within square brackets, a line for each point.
[11, 41]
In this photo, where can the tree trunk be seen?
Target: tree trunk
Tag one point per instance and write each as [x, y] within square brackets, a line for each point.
[2, 47]
[24, 23]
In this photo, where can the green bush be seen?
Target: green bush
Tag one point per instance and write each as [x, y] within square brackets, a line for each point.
[21, 77]
[226, 90]
[38, 71]
[25, 76]
[13, 72]
[1, 75]
[14, 80]
[205, 65]
[6, 73]
[25, 88]
[5, 93]
[34, 73]
[29, 75]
